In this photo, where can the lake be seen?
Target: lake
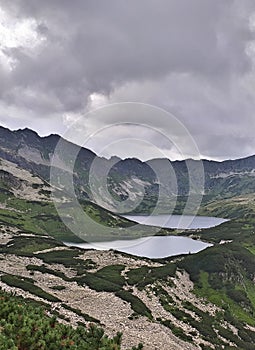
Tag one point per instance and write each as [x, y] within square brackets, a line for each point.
[159, 246]
[182, 222]
[151, 247]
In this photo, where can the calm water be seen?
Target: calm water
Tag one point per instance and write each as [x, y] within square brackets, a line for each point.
[177, 221]
[150, 247]
[156, 246]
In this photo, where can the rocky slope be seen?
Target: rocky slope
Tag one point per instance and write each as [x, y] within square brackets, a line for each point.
[170, 302]
[127, 179]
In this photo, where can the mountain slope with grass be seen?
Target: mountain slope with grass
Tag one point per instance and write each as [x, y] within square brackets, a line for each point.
[199, 301]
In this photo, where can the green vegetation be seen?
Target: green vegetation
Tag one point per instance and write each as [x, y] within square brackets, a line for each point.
[28, 286]
[42, 218]
[136, 304]
[25, 326]
[34, 217]
[107, 279]
[69, 258]
[177, 331]
[204, 326]
[58, 287]
[103, 216]
[236, 207]
[145, 275]
[86, 317]
[27, 245]
[224, 275]
[44, 269]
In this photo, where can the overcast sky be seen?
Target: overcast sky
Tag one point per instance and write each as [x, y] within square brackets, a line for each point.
[60, 59]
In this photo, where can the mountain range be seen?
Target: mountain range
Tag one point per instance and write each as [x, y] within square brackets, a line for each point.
[157, 182]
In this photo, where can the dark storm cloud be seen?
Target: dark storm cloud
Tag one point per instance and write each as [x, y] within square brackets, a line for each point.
[188, 56]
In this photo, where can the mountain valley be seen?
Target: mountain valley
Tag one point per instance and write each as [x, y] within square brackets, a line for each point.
[197, 301]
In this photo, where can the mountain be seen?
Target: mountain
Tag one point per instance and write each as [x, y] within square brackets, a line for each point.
[196, 302]
[128, 185]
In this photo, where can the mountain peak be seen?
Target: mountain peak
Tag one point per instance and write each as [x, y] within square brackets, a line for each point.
[27, 132]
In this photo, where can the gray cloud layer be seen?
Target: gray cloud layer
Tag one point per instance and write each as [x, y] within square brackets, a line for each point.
[195, 58]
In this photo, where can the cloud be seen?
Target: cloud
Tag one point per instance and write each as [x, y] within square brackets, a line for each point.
[194, 58]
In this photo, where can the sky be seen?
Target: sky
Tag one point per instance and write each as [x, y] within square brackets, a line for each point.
[122, 73]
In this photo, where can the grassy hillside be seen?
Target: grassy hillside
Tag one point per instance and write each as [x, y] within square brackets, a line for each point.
[27, 205]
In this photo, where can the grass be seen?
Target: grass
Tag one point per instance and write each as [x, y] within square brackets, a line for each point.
[224, 275]
[27, 245]
[234, 207]
[221, 299]
[37, 218]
